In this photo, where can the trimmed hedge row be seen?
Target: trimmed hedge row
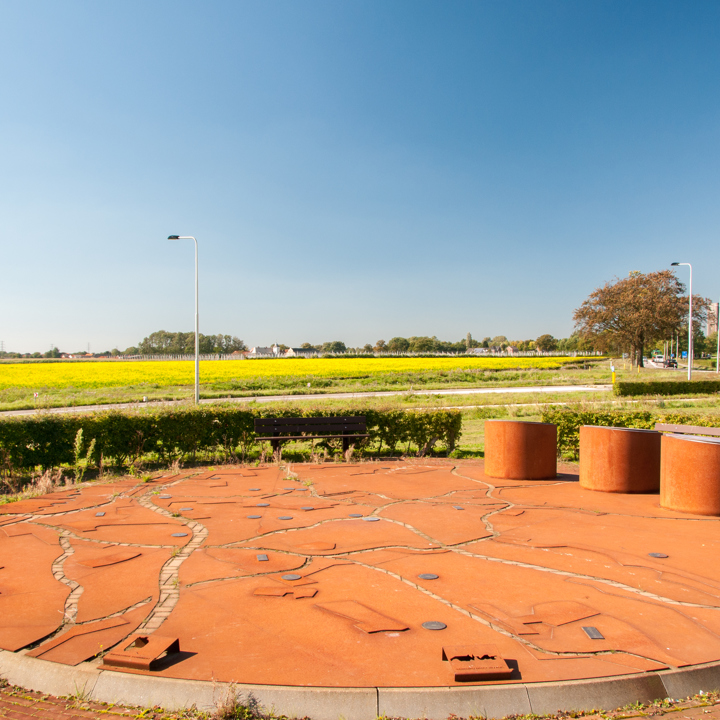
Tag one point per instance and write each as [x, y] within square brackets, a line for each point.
[47, 440]
[666, 387]
[569, 422]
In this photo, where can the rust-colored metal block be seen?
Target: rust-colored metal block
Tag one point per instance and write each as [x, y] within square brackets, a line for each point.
[272, 591]
[621, 460]
[517, 450]
[83, 641]
[110, 559]
[304, 593]
[471, 663]
[297, 593]
[690, 474]
[363, 617]
[141, 652]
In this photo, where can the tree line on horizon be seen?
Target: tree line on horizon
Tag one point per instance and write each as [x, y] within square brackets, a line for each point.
[163, 342]
[631, 315]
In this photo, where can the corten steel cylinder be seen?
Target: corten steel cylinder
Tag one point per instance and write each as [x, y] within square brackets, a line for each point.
[619, 460]
[520, 450]
[690, 474]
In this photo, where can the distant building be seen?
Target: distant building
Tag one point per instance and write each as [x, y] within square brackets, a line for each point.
[257, 352]
[712, 319]
[477, 351]
[300, 352]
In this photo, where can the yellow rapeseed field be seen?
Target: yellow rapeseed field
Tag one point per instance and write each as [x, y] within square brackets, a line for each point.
[120, 373]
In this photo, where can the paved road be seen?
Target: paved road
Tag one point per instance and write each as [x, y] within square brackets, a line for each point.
[330, 396]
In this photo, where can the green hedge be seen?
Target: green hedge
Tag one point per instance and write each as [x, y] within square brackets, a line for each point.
[667, 387]
[569, 422]
[46, 440]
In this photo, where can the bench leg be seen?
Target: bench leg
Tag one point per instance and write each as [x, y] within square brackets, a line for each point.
[346, 444]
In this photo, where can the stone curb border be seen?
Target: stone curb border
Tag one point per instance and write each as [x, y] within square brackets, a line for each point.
[436, 703]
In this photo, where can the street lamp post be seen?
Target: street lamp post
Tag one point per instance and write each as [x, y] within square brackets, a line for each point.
[690, 326]
[717, 330]
[197, 321]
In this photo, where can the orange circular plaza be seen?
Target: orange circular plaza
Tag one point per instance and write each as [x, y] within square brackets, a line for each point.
[383, 575]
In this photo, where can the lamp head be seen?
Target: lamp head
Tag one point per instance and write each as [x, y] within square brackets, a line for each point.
[177, 237]
[671, 264]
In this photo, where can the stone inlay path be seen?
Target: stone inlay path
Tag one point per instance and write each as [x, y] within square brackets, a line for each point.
[358, 575]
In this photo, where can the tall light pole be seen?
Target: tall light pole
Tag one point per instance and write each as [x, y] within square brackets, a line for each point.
[197, 321]
[690, 327]
[717, 330]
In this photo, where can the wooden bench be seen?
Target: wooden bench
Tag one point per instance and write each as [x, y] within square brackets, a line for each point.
[687, 429]
[276, 429]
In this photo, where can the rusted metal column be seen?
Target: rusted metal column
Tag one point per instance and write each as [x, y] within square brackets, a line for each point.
[620, 460]
[690, 474]
[520, 450]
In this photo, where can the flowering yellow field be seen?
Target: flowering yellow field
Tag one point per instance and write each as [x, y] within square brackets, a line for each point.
[119, 373]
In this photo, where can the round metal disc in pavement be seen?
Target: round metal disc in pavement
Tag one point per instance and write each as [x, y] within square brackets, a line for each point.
[253, 489]
[184, 509]
[285, 517]
[291, 576]
[179, 534]
[428, 576]
[458, 507]
[355, 515]
[657, 555]
[307, 507]
[165, 497]
[254, 517]
[263, 505]
[434, 625]
[371, 519]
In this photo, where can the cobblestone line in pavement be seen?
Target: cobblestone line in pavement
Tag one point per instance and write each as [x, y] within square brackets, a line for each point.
[58, 570]
[169, 574]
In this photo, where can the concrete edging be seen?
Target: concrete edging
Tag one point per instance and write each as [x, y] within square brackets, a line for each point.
[329, 703]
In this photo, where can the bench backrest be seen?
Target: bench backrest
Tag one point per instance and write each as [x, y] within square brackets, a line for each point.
[687, 429]
[337, 425]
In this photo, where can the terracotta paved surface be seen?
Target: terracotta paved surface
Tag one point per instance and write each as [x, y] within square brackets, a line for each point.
[312, 575]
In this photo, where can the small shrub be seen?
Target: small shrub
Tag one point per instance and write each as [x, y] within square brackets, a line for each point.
[666, 387]
[174, 434]
[570, 421]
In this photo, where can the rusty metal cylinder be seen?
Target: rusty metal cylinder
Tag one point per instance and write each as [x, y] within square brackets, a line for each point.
[520, 450]
[690, 474]
[619, 460]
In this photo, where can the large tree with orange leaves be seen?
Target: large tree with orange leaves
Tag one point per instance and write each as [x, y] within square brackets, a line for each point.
[633, 313]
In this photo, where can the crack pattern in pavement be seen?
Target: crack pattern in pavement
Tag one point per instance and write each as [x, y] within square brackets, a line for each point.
[376, 503]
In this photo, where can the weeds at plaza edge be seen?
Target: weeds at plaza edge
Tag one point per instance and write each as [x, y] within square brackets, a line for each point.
[235, 706]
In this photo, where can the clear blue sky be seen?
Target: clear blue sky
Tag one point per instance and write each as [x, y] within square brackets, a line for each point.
[352, 170]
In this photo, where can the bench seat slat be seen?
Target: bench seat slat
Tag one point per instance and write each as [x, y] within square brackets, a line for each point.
[317, 429]
[309, 437]
[687, 429]
[279, 422]
[345, 425]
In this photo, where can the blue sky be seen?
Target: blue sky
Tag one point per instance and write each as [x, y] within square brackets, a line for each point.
[352, 170]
